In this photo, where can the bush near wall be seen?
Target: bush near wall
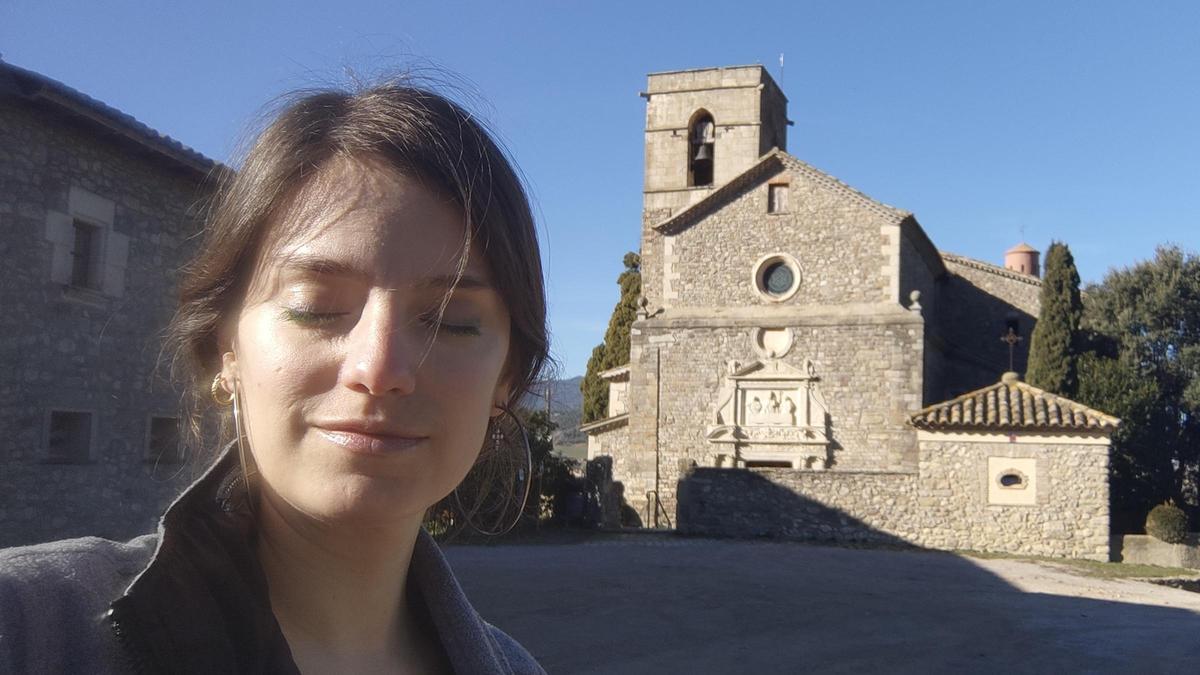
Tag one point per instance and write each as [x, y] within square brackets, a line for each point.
[1168, 523]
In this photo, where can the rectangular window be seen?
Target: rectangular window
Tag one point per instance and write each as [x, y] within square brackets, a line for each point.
[83, 262]
[768, 464]
[164, 441]
[777, 198]
[70, 437]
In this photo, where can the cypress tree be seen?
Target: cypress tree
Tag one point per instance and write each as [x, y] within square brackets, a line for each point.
[594, 389]
[1053, 348]
[614, 351]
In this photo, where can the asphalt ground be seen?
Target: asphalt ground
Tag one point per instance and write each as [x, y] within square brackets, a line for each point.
[662, 604]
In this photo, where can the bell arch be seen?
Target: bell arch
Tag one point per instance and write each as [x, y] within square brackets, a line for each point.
[702, 136]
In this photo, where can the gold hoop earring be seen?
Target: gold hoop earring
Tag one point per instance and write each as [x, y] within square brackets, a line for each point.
[503, 430]
[217, 389]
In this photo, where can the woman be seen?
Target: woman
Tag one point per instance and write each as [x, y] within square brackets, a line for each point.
[366, 305]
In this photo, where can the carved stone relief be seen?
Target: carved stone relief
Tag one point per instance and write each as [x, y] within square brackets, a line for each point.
[770, 411]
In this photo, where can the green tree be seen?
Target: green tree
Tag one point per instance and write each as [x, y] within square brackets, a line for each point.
[1143, 326]
[595, 390]
[614, 350]
[1053, 349]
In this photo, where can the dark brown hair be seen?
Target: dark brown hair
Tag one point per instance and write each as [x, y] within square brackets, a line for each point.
[413, 129]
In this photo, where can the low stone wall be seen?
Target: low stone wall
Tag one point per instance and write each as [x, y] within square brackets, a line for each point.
[842, 506]
[1068, 518]
[1142, 549]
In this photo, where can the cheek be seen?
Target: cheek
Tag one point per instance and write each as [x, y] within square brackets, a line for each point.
[470, 373]
[277, 370]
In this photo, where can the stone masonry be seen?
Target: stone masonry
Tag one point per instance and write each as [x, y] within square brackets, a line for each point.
[65, 159]
[792, 328]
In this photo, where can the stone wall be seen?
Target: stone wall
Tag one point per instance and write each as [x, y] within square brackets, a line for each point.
[868, 365]
[85, 351]
[921, 275]
[844, 506]
[837, 242]
[608, 442]
[945, 505]
[618, 397]
[975, 301]
[1143, 549]
[1070, 518]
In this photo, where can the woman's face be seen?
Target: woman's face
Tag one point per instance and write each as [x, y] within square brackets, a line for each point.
[359, 403]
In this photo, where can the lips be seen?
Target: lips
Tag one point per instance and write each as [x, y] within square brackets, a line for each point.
[369, 439]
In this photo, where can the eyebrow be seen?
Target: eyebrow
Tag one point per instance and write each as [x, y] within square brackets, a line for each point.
[320, 265]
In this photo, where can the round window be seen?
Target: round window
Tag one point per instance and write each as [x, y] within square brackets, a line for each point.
[776, 277]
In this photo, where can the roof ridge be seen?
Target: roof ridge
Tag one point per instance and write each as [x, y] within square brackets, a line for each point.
[837, 183]
[989, 267]
[786, 160]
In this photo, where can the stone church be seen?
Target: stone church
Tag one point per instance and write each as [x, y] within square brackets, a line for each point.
[807, 364]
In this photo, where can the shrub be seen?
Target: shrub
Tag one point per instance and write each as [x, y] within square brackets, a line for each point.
[1168, 523]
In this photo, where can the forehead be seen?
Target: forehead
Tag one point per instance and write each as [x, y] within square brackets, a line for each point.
[367, 219]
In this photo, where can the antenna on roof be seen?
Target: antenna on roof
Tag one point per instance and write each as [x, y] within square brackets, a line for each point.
[780, 70]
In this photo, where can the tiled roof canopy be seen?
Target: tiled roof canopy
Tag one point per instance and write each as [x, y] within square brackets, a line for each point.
[1012, 405]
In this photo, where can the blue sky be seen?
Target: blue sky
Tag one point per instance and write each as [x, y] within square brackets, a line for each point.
[992, 121]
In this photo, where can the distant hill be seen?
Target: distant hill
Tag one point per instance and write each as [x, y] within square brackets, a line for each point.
[566, 408]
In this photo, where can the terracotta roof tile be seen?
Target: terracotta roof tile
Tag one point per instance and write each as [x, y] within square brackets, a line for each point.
[1012, 405]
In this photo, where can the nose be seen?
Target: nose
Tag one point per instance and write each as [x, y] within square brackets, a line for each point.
[382, 353]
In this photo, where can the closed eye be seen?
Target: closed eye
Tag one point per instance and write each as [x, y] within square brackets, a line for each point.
[456, 329]
[305, 317]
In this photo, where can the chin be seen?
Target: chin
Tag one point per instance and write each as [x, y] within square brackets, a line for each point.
[365, 501]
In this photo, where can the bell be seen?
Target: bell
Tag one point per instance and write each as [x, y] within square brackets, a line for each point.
[703, 153]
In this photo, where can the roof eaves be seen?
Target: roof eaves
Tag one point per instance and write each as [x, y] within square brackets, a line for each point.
[614, 373]
[35, 86]
[942, 416]
[605, 424]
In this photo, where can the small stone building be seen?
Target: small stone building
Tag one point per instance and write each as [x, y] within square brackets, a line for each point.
[95, 214]
[790, 329]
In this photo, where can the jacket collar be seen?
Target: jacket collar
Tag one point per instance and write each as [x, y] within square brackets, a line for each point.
[201, 604]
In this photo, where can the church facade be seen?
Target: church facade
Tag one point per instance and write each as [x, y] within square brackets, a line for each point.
[806, 363]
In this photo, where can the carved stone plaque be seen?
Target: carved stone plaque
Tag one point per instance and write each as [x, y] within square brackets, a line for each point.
[772, 412]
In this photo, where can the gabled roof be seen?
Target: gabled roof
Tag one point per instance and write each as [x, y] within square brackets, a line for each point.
[36, 87]
[1012, 405]
[770, 163]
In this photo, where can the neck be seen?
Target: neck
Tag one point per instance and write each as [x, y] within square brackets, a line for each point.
[337, 589]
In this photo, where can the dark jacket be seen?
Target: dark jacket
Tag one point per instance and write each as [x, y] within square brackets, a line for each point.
[193, 599]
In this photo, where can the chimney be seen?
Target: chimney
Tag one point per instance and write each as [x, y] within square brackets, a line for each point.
[1023, 258]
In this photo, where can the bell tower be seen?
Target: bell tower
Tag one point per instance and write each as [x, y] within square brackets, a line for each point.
[703, 128]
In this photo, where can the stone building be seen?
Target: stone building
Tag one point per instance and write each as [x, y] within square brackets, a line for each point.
[794, 339]
[95, 213]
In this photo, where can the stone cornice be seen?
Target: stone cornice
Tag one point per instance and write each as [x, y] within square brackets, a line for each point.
[618, 374]
[606, 424]
[862, 314]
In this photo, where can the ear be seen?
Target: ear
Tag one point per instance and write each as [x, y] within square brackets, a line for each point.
[500, 397]
[229, 370]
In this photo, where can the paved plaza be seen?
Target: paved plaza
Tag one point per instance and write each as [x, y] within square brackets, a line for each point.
[662, 604]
